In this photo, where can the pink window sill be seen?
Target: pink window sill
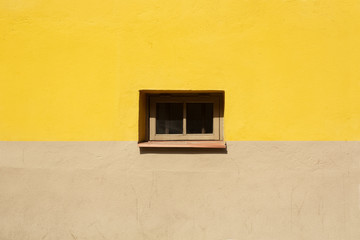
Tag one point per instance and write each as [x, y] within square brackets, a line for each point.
[182, 144]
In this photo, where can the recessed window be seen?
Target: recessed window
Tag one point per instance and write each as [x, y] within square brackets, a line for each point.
[185, 116]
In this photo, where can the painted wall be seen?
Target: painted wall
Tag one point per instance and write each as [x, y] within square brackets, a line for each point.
[71, 70]
[108, 190]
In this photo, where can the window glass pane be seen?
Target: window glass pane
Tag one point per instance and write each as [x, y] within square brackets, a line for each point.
[199, 117]
[169, 118]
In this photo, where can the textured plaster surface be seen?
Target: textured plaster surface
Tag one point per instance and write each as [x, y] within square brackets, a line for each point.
[71, 70]
[109, 190]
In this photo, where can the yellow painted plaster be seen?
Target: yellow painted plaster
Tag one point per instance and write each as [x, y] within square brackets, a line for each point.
[72, 70]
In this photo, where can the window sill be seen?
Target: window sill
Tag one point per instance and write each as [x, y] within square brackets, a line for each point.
[183, 144]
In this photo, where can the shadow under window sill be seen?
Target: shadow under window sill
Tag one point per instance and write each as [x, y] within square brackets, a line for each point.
[183, 147]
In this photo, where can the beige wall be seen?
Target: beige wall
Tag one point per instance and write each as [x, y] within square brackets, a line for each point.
[109, 190]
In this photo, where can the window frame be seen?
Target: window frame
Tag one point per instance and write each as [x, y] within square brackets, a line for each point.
[216, 99]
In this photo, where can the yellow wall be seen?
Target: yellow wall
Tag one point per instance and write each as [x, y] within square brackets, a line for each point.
[71, 70]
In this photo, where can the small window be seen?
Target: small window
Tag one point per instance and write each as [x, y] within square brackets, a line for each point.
[185, 116]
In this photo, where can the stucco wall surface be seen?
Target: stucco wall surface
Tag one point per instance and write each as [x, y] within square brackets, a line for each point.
[71, 70]
[109, 190]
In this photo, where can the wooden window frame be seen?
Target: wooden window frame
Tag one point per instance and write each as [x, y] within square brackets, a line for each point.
[216, 99]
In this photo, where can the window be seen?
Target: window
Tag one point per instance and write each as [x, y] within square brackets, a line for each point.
[185, 116]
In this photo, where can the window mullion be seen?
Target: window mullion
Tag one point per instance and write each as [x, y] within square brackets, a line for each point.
[184, 118]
